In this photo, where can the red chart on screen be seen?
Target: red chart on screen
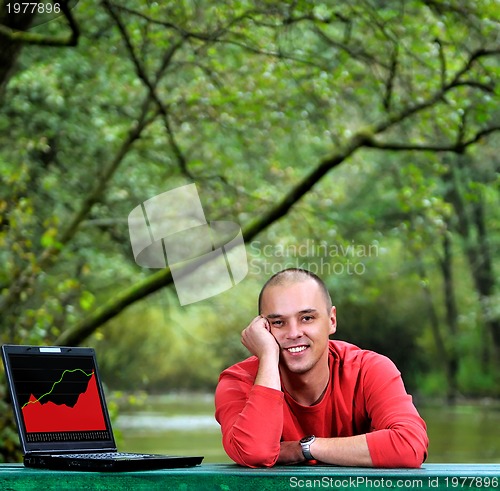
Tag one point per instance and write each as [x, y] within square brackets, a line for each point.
[85, 415]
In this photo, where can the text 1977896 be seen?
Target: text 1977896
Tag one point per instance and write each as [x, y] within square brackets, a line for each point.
[33, 8]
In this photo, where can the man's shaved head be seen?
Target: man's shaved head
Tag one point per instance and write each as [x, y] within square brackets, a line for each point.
[295, 275]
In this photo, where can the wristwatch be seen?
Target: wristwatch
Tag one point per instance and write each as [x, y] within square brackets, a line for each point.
[305, 443]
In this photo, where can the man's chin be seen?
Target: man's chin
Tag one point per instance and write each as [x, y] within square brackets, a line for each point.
[296, 367]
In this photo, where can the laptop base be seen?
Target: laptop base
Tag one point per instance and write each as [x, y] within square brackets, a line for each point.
[121, 464]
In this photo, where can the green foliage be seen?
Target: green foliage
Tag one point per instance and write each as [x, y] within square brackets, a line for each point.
[9, 440]
[303, 112]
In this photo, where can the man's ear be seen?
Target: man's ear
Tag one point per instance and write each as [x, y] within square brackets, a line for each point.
[333, 320]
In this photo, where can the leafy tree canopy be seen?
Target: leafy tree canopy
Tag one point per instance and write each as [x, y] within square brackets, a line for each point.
[352, 123]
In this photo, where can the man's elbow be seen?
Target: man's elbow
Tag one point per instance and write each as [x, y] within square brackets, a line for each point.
[415, 452]
[254, 457]
[254, 460]
[409, 458]
[400, 451]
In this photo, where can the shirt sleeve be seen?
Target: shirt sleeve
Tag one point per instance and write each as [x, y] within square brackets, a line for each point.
[251, 419]
[398, 436]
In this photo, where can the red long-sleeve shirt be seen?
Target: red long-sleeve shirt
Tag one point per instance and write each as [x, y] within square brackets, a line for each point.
[365, 395]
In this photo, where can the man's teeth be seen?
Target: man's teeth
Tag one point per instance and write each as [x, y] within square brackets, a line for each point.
[297, 349]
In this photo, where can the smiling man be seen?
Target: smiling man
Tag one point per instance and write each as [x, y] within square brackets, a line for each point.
[302, 397]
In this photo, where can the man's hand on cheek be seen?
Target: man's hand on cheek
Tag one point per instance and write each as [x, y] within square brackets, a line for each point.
[257, 338]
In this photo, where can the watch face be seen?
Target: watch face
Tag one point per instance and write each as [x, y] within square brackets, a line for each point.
[307, 439]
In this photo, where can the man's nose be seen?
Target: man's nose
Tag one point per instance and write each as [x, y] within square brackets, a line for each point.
[294, 330]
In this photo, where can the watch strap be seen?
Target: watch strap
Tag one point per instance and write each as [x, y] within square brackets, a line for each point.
[305, 443]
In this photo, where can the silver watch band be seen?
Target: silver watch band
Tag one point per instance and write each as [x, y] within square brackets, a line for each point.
[305, 443]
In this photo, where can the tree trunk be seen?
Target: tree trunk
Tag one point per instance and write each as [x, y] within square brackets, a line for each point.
[9, 48]
[484, 276]
[448, 365]
[451, 317]
[469, 217]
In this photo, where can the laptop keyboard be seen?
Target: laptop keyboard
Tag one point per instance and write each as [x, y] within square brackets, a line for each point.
[105, 455]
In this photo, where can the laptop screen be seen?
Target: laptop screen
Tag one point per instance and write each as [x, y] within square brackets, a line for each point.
[58, 397]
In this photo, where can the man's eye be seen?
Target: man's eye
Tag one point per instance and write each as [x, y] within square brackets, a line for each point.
[307, 318]
[277, 323]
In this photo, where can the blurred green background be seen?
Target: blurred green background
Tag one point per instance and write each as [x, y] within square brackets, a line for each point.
[356, 139]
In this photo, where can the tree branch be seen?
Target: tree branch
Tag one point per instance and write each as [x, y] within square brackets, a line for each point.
[458, 147]
[357, 52]
[474, 57]
[389, 85]
[23, 37]
[141, 72]
[76, 334]
[442, 61]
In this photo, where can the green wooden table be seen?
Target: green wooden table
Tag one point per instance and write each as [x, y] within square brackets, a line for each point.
[225, 477]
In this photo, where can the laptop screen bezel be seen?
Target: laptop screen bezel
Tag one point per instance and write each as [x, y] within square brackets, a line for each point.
[48, 447]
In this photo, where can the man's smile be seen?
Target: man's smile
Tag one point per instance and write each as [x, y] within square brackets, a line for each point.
[297, 349]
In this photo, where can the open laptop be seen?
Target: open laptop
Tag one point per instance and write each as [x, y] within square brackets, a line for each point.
[61, 413]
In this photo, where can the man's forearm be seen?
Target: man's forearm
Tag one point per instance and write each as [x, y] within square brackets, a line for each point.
[257, 338]
[348, 451]
[252, 428]
[344, 451]
[268, 373]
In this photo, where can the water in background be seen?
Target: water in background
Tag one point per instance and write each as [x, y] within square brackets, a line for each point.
[463, 433]
[184, 424]
[176, 425]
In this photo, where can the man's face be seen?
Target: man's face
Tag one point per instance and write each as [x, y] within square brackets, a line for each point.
[301, 322]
